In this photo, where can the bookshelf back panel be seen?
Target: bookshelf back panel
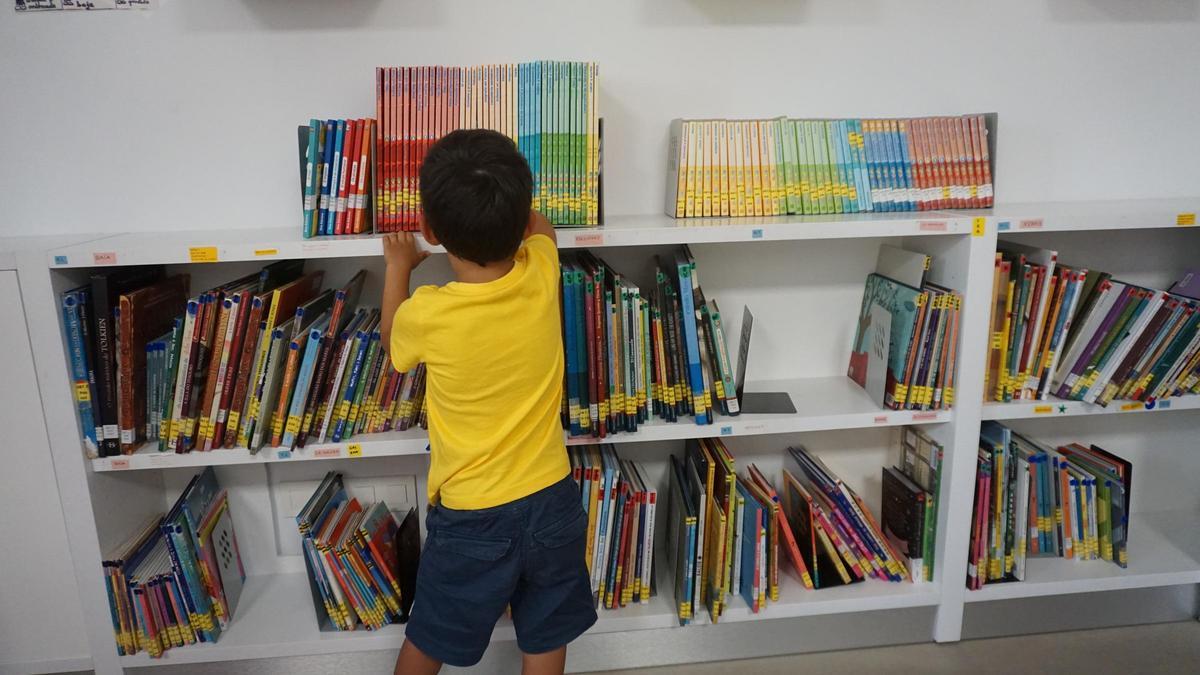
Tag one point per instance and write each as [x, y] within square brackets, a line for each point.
[1152, 258]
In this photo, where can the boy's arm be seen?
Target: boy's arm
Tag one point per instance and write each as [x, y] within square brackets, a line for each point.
[539, 225]
[400, 252]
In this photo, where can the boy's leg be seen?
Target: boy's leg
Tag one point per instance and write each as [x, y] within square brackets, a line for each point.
[413, 661]
[548, 663]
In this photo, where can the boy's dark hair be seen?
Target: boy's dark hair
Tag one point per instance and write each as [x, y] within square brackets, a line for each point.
[476, 192]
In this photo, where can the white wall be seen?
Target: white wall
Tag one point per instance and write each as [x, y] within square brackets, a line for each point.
[183, 117]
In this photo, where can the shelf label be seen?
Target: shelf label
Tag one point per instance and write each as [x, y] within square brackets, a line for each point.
[978, 226]
[202, 254]
[1043, 409]
[924, 416]
[756, 233]
[314, 246]
[60, 260]
[932, 225]
[118, 464]
[881, 419]
[1185, 219]
[1162, 405]
[161, 459]
[1133, 405]
[263, 252]
[1003, 225]
[105, 258]
[284, 454]
[1030, 224]
[726, 431]
[325, 453]
[354, 449]
[590, 239]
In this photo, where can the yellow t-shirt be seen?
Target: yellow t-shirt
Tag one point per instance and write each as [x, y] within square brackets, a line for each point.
[494, 358]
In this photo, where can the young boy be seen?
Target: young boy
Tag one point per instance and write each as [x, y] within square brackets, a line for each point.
[506, 527]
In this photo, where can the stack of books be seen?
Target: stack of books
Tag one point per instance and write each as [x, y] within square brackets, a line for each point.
[1082, 335]
[548, 109]
[621, 505]
[265, 359]
[634, 353]
[770, 167]
[905, 349]
[1036, 500]
[361, 561]
[909, 501]
[337, 182]
[178, 579]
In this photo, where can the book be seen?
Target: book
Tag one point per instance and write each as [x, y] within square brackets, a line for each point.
[808, 167]
[548, 108]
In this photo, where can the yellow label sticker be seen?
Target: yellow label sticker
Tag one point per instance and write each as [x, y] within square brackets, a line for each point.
[202, 254]
[1185, 219]
[1135, 405]
[354, 449]
[978, 226]
[234, 418]
[263, 252]
[293, 425]
[1042, 409]
[83, 393]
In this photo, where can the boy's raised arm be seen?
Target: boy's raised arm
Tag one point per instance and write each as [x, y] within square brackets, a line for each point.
[402, 256]
[539, 225]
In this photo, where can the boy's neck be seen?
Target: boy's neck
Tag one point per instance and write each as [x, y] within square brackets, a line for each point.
[468, 272]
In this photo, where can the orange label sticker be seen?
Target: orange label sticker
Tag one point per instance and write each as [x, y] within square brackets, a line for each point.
[116, 464]
[326, 453]
[1136, 405]
[1042, 409]
[932, 226]
[1185, 219]
[590, 239]
[107, 258]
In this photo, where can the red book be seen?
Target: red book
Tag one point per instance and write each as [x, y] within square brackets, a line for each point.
[232, 365]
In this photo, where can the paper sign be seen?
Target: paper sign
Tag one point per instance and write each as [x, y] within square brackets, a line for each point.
[932, 226]
[978, 227]
[202, 254]
[262, 252]
[1030, 224]
[106, 258]
[924, 416]
[117, 464]
[354, 450]
[1135, 405]
[1042, 409]
[326, 453]
[590, 239]
[881, 419]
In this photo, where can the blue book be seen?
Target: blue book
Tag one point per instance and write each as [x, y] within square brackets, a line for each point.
[752, 520]
[323, 205]
[312, 167]
[687, 310]
[312, 347]
[71, 307]
[363, 338]
[568, 295]
[335, 171]
[906, 166]
[862, 180]
[608, 485]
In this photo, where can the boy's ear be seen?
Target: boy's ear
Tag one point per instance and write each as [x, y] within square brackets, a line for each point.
[426, 231]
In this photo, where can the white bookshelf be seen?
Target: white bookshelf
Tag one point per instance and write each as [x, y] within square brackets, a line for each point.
[802, 276]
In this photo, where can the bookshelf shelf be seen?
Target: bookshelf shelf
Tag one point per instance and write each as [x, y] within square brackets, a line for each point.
[1128, 214]
[822, 404]
[1054, 407]
[267, 244]
[1164, 550]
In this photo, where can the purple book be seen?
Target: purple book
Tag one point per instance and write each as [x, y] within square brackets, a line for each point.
[1189, 285]
[1094, 341]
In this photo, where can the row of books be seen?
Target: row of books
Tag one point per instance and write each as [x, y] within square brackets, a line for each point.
[621, 506]
[548, 108]
[1037, 500]
[726, 531]
[633, 353]
[177, 580]
[781, 166]
[338, 157]
[905, 348]
[909, 500]
[1083, 335]
[265, 359]
[361, 561]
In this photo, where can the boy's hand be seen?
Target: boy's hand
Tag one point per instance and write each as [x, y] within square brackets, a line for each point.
[400, 250]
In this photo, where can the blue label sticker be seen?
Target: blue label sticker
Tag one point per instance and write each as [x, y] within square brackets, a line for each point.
[60, 260]
[285, 454]
[756, 234]
[726, 431]
[1003, 225]
[1162, 405]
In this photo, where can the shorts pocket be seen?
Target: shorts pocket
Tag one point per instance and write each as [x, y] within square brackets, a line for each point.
[564, 531]
[486, 549]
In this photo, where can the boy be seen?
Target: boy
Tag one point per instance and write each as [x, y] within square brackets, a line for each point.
[506, 526]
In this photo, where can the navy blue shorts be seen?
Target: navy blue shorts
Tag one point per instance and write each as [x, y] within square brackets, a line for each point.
[528, 553]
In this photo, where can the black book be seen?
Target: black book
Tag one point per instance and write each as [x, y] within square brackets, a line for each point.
[408, 554]
[902, 516]
[107, 287]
